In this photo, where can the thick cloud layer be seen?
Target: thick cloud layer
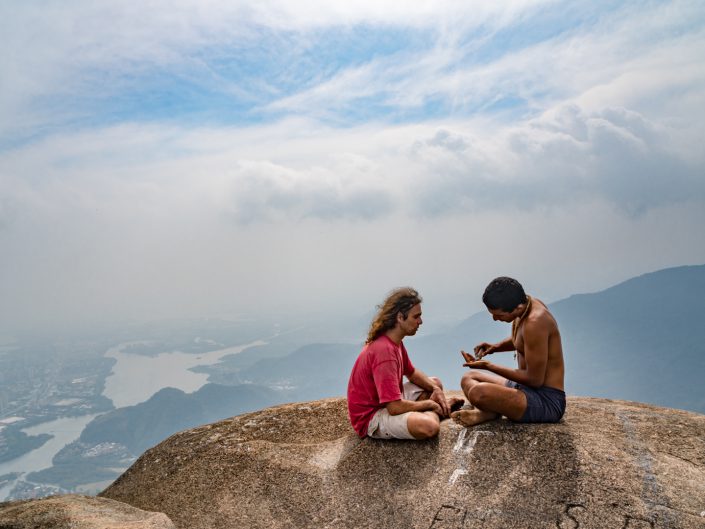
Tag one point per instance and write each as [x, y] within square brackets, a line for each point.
[197, 158]
[568, 157]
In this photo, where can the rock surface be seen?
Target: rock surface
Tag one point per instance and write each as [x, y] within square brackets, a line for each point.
[608, 464]
[78, 512]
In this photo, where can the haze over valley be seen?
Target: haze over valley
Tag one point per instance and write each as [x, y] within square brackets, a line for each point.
[105, 399]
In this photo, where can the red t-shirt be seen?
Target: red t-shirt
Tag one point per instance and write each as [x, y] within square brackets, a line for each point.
[376, 379]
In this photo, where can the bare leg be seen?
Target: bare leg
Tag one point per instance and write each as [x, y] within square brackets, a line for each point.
[423, 425]
[491, 398]
[474, 377]
[469, 381]
[475, 416]
[425, 395]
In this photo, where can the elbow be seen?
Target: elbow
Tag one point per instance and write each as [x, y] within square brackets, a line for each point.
[393, 407]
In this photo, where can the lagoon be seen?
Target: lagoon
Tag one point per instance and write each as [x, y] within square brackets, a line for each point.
[135, 378]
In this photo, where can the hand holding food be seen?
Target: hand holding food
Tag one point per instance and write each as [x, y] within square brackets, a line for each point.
[483, 349]
[467, 357]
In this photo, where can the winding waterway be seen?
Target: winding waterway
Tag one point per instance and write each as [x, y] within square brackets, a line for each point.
[64, 430]
[134, 379]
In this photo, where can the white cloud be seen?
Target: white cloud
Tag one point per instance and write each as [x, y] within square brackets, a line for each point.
[597, 179]
[294, 170]
[165, 212]
[644, 59]
[90, 51]
[566, 157]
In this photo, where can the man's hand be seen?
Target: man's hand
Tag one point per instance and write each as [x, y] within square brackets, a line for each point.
[484, 349]
[438, 397]
[478, 364]
[432, 405]
[473, 362]
[467, 356]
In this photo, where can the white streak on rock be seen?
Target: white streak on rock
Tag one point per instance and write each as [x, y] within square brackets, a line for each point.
[467, 445]
[456, 474]
[459, 441]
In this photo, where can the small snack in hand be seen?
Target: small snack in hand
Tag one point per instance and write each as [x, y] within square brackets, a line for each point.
[467, 357]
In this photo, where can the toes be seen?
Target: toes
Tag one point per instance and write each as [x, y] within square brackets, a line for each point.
[456, 405]
[457, 416]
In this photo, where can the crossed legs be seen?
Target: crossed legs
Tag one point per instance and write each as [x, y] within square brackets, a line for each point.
[491, 398]
[427, 424]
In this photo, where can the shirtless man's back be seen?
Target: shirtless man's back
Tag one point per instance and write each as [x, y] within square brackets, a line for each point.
[542, 323]
[534, 391]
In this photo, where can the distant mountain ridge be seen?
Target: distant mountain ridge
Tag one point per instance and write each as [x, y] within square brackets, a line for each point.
[171, 410]
[642, 339]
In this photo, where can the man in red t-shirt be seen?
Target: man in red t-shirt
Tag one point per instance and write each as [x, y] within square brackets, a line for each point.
[380, 405]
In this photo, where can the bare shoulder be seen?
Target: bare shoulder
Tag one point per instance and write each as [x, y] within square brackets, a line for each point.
[540, 318]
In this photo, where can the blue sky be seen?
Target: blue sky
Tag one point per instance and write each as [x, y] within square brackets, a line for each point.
[235, 75]
[191, 158]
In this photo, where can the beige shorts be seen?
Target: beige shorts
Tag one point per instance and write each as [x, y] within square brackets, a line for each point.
[386, 426]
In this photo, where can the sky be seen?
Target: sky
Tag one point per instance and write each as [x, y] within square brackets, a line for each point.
[203, 158]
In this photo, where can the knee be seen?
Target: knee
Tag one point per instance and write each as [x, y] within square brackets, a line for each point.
[478, 395]
[425, 427]
[437, 382]
[467, 381]
[429, 428]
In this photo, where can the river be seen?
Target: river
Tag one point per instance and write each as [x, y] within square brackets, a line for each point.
[64, 430]
[134, 379]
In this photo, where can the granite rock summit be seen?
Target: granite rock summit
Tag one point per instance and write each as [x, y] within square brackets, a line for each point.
[608, 464]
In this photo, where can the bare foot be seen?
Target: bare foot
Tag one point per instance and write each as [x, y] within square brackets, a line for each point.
[473, 417]
[455, 403]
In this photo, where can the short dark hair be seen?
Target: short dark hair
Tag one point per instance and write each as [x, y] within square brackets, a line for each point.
[504, 293]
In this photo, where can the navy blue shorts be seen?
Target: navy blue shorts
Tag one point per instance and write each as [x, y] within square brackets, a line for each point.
[543, 404]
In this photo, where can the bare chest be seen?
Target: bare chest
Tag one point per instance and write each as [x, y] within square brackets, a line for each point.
[518, 338]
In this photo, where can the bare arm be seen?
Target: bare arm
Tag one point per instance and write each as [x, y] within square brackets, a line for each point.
[486, 348]
[423, 381]
[435, 402]
[400, 406]
[535, 358]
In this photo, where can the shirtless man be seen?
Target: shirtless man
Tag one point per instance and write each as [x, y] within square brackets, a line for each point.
[533, 392]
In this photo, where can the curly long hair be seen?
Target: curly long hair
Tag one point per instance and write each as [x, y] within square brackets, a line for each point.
[399, 300]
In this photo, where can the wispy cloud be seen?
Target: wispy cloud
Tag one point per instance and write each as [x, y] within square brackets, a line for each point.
[88, 64]
[606, 61]
[78, 63]
[298, 169]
